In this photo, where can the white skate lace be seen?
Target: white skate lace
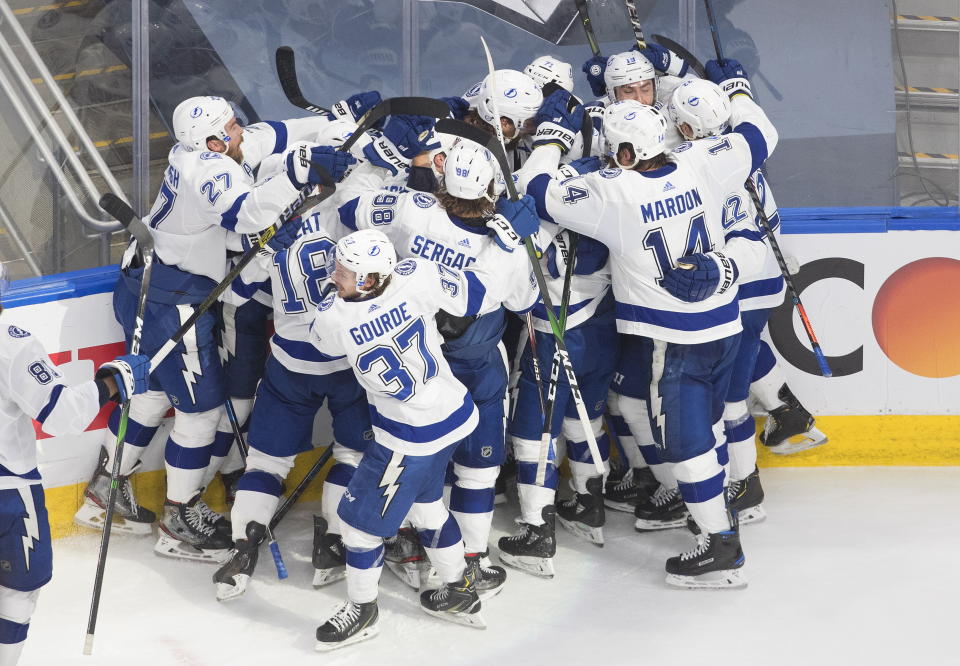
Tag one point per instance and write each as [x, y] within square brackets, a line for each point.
[345, 616]
[734, 488]
[703, 545]
[663, 495]
[441, 594]
[522, 533]
[626, 482]
[196, 521]
[208, 514]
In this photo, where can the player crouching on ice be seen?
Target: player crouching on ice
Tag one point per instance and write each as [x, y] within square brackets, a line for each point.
[32, 388]
[382, 318]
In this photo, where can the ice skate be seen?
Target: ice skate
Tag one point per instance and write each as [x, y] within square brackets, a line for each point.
[455, 602]
[217, 520]
[128, 516]
[490, 578]
[790, 428]
[533, 547]
[232, 578]
[745, 498]
[716, 562]
[185, 534]
[351, 624]
[583, 514]
[664, 510]
[405, 557]
[329, 559]
[633, 486]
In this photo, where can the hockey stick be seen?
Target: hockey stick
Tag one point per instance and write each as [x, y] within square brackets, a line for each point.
[688, 57]
[588, 27]
[635, 23]
[128, 218]
[287, 72]
[496, 146]
[301, 487]
[765, 223]
[244, 450]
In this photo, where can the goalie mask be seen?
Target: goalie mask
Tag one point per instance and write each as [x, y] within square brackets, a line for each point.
[366, 252]
[197, 118]
[702, 105]
[640, 127]
[518, 98]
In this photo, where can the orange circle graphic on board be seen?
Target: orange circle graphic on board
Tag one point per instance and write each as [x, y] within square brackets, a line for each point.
[916, 317]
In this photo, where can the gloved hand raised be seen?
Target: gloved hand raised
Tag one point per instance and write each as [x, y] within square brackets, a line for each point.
[404, 137]
[697, 277]
[556, 122]
[594, 69]
[514, 221]
[281, 237]
[664, 60]
[303, 158]
[130, 372]
[458, 106]
[730, 76]
[353, 107]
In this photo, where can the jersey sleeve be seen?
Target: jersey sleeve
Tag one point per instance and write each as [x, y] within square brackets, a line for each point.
[324, 319]
[459, 293]
[578, 204]
[37, 387]
[254, 277]
[273, 137]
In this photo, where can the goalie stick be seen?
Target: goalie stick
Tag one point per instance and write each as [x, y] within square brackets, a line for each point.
[124, 214]
[765, 223]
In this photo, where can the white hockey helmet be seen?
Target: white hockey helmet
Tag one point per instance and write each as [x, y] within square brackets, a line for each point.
[641, 127]
[624, 68]
[547, 69]
[518, 97]
[366, 252]
[702, 105]
[468, 171]
[197, 118]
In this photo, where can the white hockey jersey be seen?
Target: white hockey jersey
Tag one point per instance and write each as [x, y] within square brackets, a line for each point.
[31, 387]
[650, 219]
[417, 406]
[764, 288]
[205, 195]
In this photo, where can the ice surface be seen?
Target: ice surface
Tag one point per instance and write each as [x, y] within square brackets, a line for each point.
[853, 566]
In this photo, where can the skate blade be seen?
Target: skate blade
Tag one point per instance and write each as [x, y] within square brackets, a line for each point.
[362, 635]
[538, 566]
[643, 525]
[714, 580]
[408, 572]
[626, 507]
[593, 535]
[323, 577]
[802, 442]
[226, 591]
[474, 620]
[167, 546]
[753, 514]
[91, 515]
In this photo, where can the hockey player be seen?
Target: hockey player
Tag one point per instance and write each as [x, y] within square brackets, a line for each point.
[31, 388]
[208, 192]
[549, 69]
[382, 318]
[680, 291]
[458, 227]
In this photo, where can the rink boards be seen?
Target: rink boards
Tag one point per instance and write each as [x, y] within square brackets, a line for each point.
[880, 287]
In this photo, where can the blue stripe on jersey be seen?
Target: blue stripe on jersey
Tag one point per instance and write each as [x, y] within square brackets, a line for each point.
[348, 214]
[766, 287]
[51, 403]
[229, 219]
[280, 130]
[758, 145]
[245, 290]
[538, 190]
[679, 321]
[470, 228]
[475, 293]
[744, 233]
[303, 351]
[32, 475]
[425, 433]
[540, 312]
[774, 221]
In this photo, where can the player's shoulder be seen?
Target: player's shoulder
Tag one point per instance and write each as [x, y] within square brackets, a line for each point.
[410, 267]
[14, 339]
[414, 200]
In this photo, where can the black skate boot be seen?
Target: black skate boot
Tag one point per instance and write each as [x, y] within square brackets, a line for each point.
[456, 602]
[490, 578]
[329, 558]
[405, 557]
[533, 547]
[351, 624]
[128, 516]
[583, 514]
[791, 420]
[664, 510]
[232, 578]
[216, 520]
[508, 473]
[185, 534]
[625, 494]
[229, 481]
[744, 498]
[716, 562]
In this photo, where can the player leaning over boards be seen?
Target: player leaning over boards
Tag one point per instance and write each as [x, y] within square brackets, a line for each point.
[32, 388]
[382, 318]
[207, 197]
[678, 288]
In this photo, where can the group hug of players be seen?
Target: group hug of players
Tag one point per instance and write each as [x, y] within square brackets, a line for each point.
[407, 302]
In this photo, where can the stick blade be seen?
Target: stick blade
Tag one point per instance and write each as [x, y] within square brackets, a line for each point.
[119, 209]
